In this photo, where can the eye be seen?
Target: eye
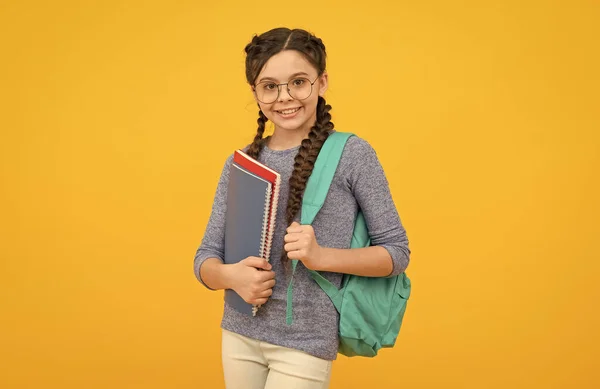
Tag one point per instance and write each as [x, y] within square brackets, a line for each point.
[268, 86]
[298, 81]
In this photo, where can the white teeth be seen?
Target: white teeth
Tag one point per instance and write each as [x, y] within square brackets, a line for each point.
[288, 111]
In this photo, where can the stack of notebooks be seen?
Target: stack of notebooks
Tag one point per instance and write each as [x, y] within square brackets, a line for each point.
[252, 197]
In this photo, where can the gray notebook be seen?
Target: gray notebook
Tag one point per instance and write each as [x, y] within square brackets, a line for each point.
[248, 202]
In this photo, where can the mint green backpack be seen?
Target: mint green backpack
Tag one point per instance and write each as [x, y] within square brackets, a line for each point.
[371, 308]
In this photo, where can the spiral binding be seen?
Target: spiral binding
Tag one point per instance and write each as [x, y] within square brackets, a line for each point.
[268, 227]
[263, 236]
[271, 231]
[266, 233]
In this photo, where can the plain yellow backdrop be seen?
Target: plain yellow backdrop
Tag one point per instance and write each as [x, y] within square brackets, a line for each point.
[116, 118]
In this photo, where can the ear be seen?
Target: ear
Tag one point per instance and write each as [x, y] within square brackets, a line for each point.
[323, 83]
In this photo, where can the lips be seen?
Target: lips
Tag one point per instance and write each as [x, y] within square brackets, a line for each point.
[288, 111]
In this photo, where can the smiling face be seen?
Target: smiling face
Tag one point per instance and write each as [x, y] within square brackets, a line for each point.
[287, 112]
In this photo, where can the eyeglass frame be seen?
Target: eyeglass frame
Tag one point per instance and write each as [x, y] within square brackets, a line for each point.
[287, 84]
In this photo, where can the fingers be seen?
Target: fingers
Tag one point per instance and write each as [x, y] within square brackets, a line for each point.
[269, 284]
[296, 254]
[296, 232]
[254, 280]
[294, 246]
[259, 301]
[265, 275]
[259, 263]
[295, 228]
[292, 237]
[262, 293]
[265, 293]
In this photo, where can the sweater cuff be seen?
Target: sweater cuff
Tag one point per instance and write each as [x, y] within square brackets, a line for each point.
[198, 262]
[400, 259]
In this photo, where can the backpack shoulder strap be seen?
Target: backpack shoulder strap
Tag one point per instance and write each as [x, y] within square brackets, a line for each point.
[321, 177]
[314, 196]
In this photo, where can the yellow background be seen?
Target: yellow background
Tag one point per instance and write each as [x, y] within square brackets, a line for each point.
[116, 118]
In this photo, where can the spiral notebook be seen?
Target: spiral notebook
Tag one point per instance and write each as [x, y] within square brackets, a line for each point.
[252, 197]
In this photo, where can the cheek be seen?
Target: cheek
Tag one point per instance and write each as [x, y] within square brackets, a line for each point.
[270, 115]
[266, 109]
[311, 105]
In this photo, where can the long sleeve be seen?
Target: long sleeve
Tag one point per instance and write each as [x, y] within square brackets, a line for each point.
[371, 190]
[358, 182]
[213, 243]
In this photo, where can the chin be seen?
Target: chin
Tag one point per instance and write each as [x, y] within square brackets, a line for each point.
[290, 126]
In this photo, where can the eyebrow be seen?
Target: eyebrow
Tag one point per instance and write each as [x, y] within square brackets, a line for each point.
[292, 76]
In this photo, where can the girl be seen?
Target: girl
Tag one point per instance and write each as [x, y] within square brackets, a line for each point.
[286, 72]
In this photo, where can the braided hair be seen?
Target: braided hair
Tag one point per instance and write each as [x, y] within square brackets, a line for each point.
[258, 52]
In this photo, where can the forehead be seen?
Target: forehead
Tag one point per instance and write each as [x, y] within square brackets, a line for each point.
[285, 63]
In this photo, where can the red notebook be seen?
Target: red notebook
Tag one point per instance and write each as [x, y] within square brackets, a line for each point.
[253, 166]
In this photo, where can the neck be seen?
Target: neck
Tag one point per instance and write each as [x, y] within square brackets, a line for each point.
[283, 139]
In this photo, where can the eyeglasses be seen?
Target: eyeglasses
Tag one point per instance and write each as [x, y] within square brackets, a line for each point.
[299, 88]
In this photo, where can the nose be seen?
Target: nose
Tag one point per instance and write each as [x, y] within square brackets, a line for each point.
[284, 93]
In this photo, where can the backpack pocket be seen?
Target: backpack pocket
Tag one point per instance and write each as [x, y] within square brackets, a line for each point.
[400, 298]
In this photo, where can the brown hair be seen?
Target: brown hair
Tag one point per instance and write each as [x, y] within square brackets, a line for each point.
[258, 52]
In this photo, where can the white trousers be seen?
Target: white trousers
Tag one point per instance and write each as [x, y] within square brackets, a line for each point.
[251, 364]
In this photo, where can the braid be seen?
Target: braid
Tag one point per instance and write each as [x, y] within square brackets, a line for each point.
[258, 143]
[258, 52]
[305, 161]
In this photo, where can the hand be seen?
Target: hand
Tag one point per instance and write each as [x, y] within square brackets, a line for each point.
[301, 244]
[253, 285]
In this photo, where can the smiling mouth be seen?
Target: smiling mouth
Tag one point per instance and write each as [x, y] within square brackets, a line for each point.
[288, 111]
